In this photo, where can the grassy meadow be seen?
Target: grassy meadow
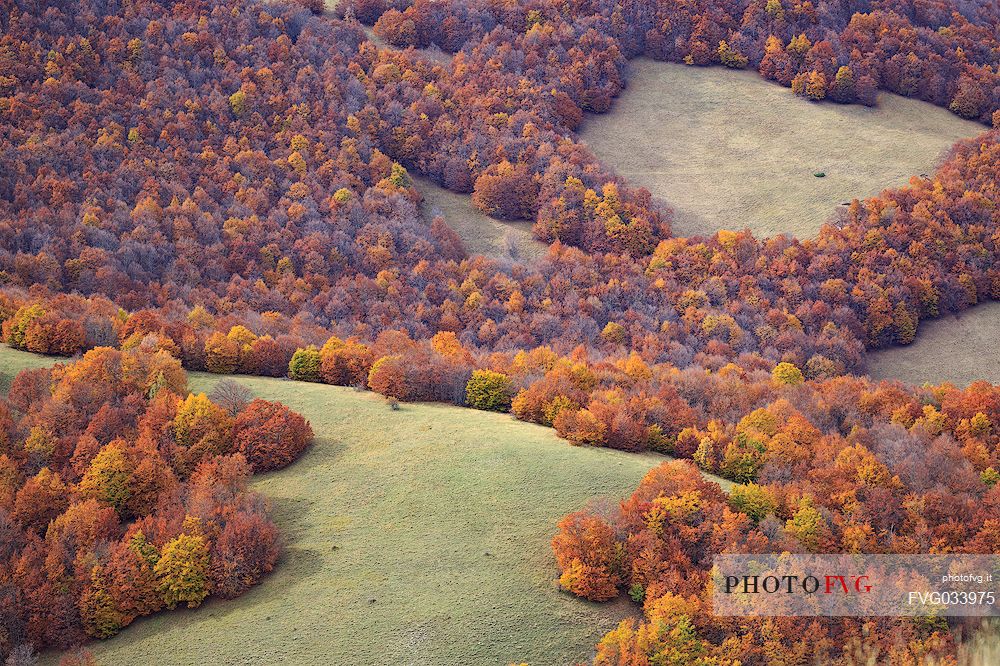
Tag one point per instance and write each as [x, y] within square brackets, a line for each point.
[417, 536]
[727, 149]
[13, 361]
[480, 232]
[957, 348]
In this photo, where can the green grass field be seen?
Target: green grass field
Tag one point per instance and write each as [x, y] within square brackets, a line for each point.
[418, 536]
[727, 149]
[958, 348]
[13, 361]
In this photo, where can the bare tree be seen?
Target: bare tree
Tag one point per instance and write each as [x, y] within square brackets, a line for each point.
[510, 245]
[231, 396]
[22, 655]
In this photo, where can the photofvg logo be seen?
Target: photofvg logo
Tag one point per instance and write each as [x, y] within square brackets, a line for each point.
[770, 584]
[855, 585]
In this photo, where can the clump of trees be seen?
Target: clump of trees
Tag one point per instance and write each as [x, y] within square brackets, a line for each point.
[118, 498]
[489, 390]
[269, 435]
[657, 547]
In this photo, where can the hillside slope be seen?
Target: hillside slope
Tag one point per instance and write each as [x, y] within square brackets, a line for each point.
[412, 536]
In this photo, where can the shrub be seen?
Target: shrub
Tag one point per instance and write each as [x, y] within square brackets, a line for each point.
[387, 377]
[587, 555]
[816, 86]
[305, 365]
[245, 552]
[593, 583]
[270, 436]
[489, 390]
[843, 85]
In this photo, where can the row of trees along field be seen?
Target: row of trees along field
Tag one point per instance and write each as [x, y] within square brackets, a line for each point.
[909, 254]
[940, 51]
[119, 497]
[227, 183]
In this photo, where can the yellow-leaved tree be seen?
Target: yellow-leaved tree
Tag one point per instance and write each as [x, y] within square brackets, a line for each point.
[182, 570]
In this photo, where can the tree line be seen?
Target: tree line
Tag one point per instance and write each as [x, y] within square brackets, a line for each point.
[119, 497]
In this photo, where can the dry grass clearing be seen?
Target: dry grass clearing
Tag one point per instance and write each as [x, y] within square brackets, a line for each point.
[958, 348]
[480, 232]
[727, 149]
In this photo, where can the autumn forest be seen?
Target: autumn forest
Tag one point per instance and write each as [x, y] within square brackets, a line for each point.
[230, 186]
